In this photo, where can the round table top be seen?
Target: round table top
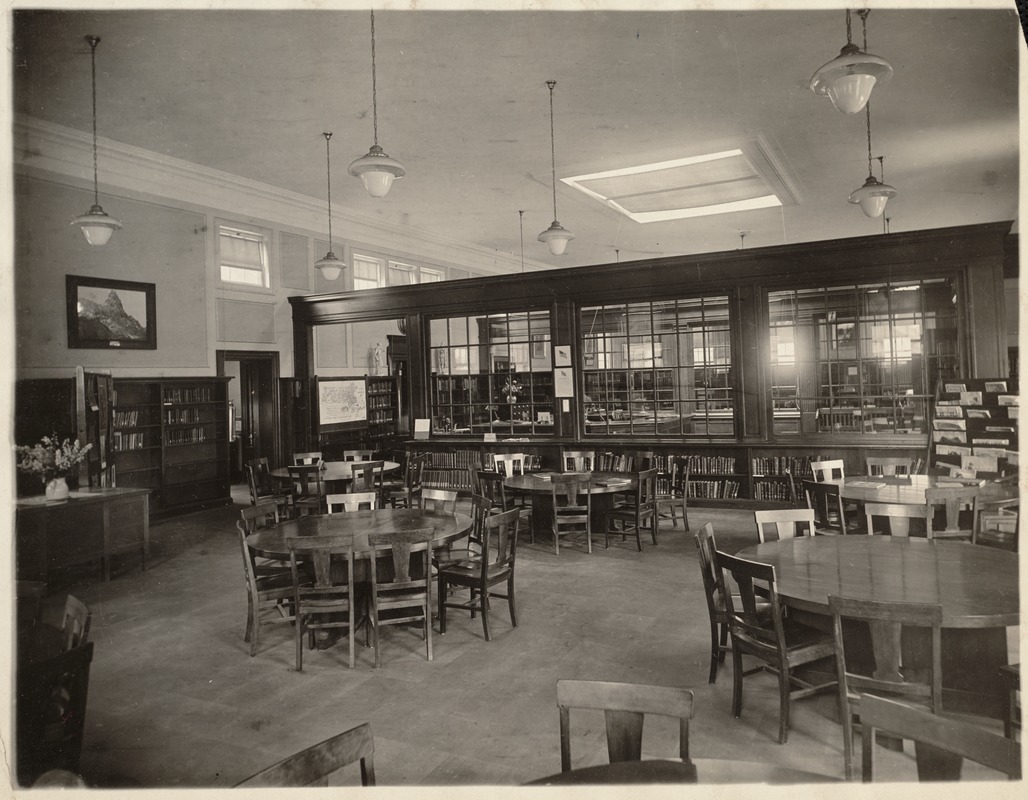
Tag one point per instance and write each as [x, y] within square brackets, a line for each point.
[271, 542]
[540, 483]
[700, 770]
[908, 489]
[335, 470]
[977, 587]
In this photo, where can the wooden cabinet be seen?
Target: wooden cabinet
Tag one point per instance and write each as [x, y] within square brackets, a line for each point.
[383, 409]
[92, 525]
[171, 436]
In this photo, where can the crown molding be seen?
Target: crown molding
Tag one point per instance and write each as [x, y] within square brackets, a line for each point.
[68, 154]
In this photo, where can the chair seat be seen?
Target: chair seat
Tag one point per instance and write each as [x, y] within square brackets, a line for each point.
[471, 569]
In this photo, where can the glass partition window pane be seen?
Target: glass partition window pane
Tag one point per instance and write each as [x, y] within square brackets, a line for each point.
[492, 374]
[860, 359]
[657, 368]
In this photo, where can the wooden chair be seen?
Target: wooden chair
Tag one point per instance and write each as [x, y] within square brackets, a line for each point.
[509, 464]
[502, 499]
[884, 674]
[577, 460]
[258, 479]
[676, 499]
[313, 765]
[643, 511]
[307, 459]
[636, 460]
[50, 713]
[401, 589]
[456, 552]
[826, 501]
[953, 499]
[624, 707]
[714, 592]
[348, 502]
[949, 735]
[264, 592]
[308, 494]
[75, 623]
[358, 455]
[788, 522]
[405, 495]
[790, 481]
[828, 470]
[571, 496]
[781, 643]
[321, 603]
[997, 525]
[265, 513]
[441, 500]
[1011, 677]
[883, 465]
[899, 516]
[368, 476]
[494, 566]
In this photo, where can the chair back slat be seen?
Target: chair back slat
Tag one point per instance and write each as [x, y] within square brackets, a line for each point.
[349, 502]
[259, 515]
[509, 464]
[899, 516]
[788, 522]
[441, 500]
[889, 465]
[828, 470]
[307, 459]
[953, 499]
[578, 460]
[826, 500]
[314, 765]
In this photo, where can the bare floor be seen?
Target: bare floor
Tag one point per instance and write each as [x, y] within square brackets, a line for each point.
[175, 700]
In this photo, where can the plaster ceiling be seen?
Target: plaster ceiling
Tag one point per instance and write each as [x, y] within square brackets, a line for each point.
[462, 102]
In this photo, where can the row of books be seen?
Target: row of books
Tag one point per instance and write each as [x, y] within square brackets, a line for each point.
[128, 441]
[798, 466]
[126, 419]
[183, 394]
[186, 436]
[458, 459]
[726, 490]
[772, 490]
[179, 416]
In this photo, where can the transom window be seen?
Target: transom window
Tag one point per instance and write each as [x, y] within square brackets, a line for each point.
[860, 359]
[367, 272]
[242, 257]
[658, 367]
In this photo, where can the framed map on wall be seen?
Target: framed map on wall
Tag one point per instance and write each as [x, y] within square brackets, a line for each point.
[342, 403]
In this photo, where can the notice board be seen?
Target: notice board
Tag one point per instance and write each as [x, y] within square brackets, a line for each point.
[342, 404]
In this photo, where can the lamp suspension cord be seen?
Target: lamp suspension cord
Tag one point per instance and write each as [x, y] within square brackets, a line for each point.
[93, 42]
[328, 174]
[868, 109]
[849, 28]
[553, 152]
[374, 85]
[521, 225]
[863, 18]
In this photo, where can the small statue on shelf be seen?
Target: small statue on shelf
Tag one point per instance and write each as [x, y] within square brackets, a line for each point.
[378, 360]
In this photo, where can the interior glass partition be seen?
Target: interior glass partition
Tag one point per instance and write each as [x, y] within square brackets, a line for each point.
[659, 367]
[861, 359]
[492, 374]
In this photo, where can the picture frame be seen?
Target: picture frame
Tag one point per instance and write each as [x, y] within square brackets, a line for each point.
[111, 315]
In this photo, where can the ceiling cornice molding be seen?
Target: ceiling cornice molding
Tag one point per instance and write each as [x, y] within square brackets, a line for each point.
[67, 153]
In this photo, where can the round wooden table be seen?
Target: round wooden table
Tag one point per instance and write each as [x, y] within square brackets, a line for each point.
[335, 471]
[700, 770]
[977, 588]
[539, 487]
[907, 489]
[356, 526]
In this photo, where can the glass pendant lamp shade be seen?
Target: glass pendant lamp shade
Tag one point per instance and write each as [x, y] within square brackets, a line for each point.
[872, 196]
[848, 80]
[556, 238]
[97, 226]
[330, 265]
[377, 170]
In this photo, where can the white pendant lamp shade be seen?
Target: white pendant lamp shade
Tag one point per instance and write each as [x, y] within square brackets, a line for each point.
[96, 225]
[329, 265]
[848, 80]
[556, 238]
[872, 196]
[377, 170]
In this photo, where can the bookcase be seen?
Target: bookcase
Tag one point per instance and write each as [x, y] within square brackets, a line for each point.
[383, 410]
[975, 428]
[171, 436]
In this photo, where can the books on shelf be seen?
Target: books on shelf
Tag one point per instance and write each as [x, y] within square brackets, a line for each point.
[721, 490]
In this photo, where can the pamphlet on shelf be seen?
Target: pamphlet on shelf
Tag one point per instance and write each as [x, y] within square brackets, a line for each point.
[422, 428]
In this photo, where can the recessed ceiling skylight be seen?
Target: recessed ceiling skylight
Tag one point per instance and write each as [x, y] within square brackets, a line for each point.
[733, 179]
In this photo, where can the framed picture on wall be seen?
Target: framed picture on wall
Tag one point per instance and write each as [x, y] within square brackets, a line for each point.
[111, 315]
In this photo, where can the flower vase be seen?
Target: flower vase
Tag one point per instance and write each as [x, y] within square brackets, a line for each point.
[57, 489]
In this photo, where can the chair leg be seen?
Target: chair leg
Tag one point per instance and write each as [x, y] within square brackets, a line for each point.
[249, 620]
[724, 644]
[442, 605]
[736, 682]
[846, 718]
[428, 628]
[485, 613]
[783, 713]
[715, 651]
[510, 601]
[299, 646]
[653, 527]
[374, 625]
[254, 627]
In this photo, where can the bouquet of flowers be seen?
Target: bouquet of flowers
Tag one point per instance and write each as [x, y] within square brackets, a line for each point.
[50, 458]
[511, 389]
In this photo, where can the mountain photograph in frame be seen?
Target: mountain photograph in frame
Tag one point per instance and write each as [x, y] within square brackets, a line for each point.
[111, 315]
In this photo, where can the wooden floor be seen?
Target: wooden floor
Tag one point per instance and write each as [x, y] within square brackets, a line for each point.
[175, 700]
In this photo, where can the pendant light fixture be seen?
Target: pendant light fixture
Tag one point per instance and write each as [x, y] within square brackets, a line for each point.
[848, 79]
[555, 236]
[376, 169]
[329, 264]
[874, 194]
[96, 225]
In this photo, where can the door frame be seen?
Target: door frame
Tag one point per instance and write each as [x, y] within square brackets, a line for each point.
[271, 358]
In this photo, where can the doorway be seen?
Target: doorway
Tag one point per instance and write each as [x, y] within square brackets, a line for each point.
[254, 394]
